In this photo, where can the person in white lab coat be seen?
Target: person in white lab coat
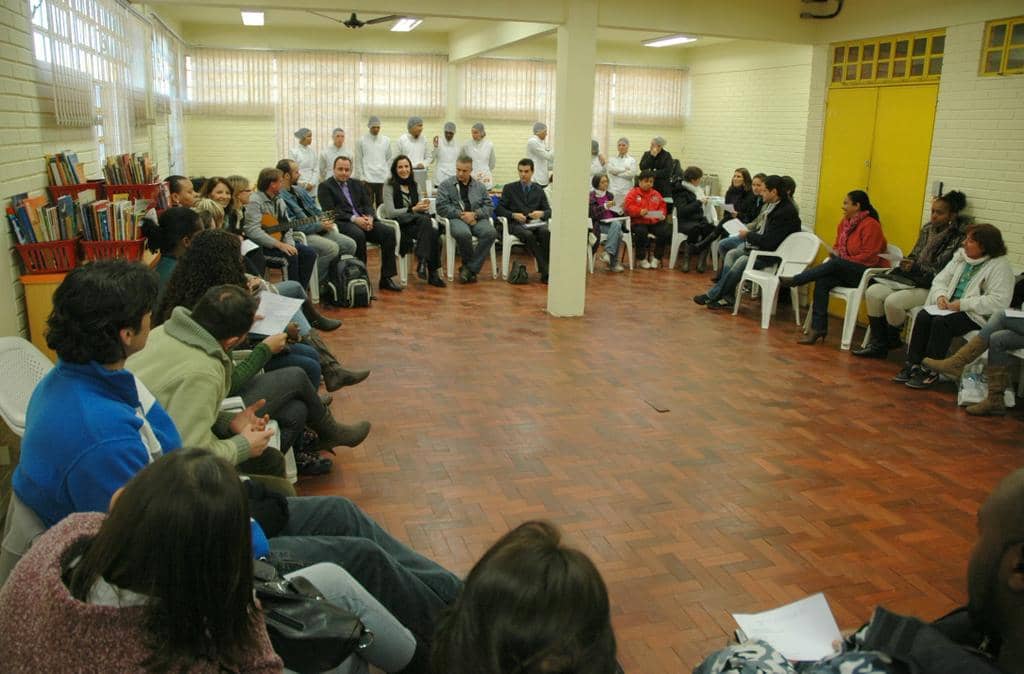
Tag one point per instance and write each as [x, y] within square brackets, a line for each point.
[481, 151]
[538, 150]
[414, 146]
[446, 151]
[622, 170]
[373, 159]
[305, 156]
[331, 152]
[597, 161]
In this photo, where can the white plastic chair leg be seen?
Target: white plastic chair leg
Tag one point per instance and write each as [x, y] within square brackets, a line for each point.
[849, 323]
[506, 259]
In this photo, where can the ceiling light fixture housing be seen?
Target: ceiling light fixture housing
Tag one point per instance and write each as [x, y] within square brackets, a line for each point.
[669, 41]
[252, 18]
[405, 24]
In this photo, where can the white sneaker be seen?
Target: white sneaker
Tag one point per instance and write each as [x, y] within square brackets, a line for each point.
[606, 258]
[655, 263]
[617, 267]
[645, 264]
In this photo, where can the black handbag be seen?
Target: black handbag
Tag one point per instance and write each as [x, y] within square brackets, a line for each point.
[308, 632]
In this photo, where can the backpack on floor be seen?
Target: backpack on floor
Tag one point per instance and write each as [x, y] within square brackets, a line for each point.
[348, 283]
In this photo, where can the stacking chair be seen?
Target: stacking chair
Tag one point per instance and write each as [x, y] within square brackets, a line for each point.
[793, 255]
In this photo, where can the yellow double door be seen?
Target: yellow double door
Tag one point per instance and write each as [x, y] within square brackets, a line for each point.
[878, 139]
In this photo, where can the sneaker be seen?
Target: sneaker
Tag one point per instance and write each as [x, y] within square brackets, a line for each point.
[645, 264]
[923, 378]
[701, 299]
[617, 268]
[606, 258]
[721, 303]
[904, 375]
[655, 263]
[311, 463]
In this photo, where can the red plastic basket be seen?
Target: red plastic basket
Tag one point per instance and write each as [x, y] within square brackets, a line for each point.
[150, 191]
[73, 191]
[50, 257]
[109, 250]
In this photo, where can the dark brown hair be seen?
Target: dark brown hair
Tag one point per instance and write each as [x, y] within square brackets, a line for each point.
[989, 238]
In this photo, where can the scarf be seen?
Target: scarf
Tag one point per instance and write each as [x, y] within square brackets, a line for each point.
[936, 241]
[599, 194]
[846, 228]
[697, 190]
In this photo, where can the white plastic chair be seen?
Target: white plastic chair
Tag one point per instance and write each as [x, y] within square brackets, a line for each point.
[508, 239]
[853, 296]
[22, 366]
[794, 254]
[449, 247]
[627, 239]
[403, 260]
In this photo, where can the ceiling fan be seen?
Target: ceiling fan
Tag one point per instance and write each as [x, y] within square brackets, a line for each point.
[354, 22]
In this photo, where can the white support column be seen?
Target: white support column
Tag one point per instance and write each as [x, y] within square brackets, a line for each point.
[577, 51]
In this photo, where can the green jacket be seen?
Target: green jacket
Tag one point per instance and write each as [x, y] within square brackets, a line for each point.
[190, 374]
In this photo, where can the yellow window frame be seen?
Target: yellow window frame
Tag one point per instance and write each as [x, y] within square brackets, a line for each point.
[888, 60]
[998, 55]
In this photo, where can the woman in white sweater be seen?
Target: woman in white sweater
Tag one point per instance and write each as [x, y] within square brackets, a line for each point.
[976, 283]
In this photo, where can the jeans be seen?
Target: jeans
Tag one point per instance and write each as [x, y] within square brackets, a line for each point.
[727, 244]
[295, 291]
[463, 233]
[393, 645]
[291, 401]
[333, 529]
[729, 279]
[329, 245]
[613, 230]
[1003, 335]
[301, 356]
[832, 273]
[933, 334]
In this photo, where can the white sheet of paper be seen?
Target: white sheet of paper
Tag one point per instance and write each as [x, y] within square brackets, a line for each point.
[733, 226]
[276, 311]
[248, 246]
[530, 224]
[1015, 313]
[729, 208]
[934, 310]
[801, 631]
[657, 215]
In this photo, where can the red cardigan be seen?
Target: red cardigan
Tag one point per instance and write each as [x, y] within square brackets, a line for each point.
[866, 243]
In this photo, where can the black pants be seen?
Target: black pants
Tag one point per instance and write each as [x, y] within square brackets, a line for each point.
[300, 266]
[291, 401]
[376, 191]
[380, 234]
[662, 232]
[832, 273]
[932, 334]
[418, 230]
[536, 239]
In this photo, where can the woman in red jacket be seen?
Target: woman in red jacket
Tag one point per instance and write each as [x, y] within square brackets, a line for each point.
[859, 245]
[647, 211]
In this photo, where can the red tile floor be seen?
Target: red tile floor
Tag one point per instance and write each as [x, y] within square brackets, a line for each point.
[706, 465]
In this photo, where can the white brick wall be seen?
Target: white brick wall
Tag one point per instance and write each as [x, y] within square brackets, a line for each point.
[27, 132]
[750, 107]
[978, 145]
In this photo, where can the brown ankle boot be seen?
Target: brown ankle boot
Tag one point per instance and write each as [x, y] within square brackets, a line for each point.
[953, 367]
[335, 376]
[994, 404]
[330, 433]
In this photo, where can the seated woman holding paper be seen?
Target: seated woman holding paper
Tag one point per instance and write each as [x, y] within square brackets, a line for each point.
[647, 211]
[601, 204]
[891, 295]
[977, 283]
[743, 210]
[859, 245]
[690, 205]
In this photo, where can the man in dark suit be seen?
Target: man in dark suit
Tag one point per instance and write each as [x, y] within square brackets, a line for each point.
[353, 213]
[521, 203]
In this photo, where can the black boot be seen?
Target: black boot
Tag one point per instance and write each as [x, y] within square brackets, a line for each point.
[316, 319]
[876, 347]
[892, 336]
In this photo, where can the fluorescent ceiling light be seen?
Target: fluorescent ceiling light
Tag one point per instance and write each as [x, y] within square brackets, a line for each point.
[405, 24]
[669, 41]
[252, 18]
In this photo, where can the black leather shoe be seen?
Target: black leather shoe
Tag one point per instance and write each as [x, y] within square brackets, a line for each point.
[700, 299]
[872, 350]
[436, 280]
[465, 275]
[389, 284]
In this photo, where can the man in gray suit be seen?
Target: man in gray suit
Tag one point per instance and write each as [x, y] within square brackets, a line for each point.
[467, 206]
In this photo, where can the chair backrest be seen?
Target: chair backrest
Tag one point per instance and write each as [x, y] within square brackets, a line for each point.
[893, 254]
[797, 251]
[21, 367]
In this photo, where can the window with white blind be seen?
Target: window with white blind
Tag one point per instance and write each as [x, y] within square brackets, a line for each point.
[491, 88]
[400, 84]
